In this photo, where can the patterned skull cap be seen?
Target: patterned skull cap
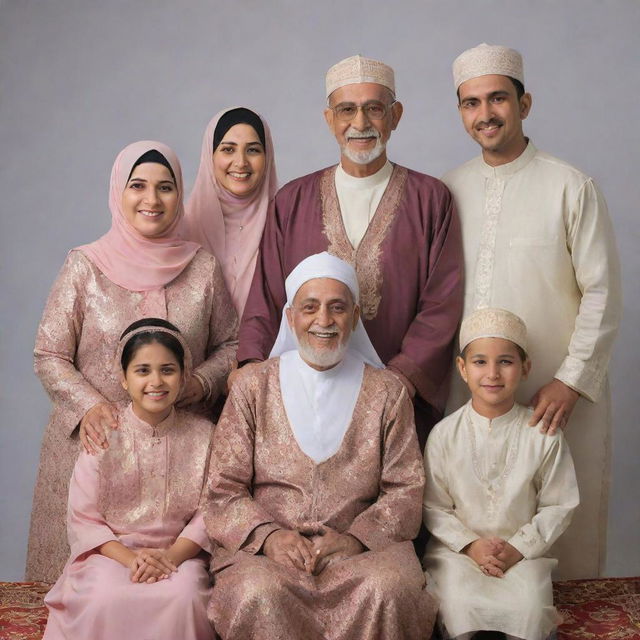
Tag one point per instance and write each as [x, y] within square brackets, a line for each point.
[487, 59]
[493, 323]
[358, 69]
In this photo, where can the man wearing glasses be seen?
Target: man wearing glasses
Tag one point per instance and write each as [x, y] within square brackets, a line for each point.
[397, 227]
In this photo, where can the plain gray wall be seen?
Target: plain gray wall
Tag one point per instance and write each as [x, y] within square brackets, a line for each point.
[81, 79]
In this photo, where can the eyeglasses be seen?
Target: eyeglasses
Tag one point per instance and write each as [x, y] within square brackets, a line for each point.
[373, 110]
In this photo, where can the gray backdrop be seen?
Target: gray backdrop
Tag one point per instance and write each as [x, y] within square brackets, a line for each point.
[82, 78]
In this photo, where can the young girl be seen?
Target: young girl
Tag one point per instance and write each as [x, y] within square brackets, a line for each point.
[137, 567]
[498, 494]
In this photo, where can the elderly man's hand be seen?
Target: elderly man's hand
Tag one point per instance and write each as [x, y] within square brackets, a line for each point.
[332, 546]
[553, 404]
[290, 549]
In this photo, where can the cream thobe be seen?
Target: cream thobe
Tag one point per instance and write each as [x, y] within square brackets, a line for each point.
[359, 199]
[499, 478]
[538, 241]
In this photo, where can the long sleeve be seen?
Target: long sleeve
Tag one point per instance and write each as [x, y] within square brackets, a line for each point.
[438, 506]
[395, 516]
[58, 336]
[557, 498]
[231, 513]
[196, 531]
[426, 350]
[261, 317]
[222, 341]
[595, 259]
[86, 528]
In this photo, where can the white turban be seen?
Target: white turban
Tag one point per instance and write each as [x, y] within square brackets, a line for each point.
[493, 323]
[487, 59]
[324, 265]
[358, 69]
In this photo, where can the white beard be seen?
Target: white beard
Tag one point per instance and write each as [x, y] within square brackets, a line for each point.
[364, 157]
[325, 358]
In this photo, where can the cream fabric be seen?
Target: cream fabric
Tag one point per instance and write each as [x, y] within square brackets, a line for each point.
[500, 478]
[356, 69]
[487, 59]
[359, 198]
[538, 241]
[493, 323]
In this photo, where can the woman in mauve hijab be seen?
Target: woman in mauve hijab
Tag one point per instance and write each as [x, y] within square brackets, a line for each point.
[141, 267]
[228, 205]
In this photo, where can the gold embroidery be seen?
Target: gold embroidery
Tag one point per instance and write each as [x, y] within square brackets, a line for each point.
[366, 259]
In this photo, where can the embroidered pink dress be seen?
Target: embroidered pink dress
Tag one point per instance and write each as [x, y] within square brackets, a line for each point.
[143, 491]
[74, 358]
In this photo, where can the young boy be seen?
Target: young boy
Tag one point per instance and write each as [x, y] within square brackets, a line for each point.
[498, 494]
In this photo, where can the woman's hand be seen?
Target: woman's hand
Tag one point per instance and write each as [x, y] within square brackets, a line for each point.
[94, 426]
[192, 393]
[151, 565]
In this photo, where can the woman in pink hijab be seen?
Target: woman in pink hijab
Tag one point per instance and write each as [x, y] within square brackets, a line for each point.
[141, 267]
[236, 182]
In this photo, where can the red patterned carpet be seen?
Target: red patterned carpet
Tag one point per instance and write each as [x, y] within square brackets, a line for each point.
[607, 609]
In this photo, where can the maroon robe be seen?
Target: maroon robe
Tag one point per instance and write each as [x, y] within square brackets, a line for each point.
[409, 265]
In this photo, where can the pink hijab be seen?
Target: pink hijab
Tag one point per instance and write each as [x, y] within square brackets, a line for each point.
[125, 256]
[227, 226]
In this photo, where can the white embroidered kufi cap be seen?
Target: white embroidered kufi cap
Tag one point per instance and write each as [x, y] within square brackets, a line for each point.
[358, 69]
[324, 265]
[493, 323]
[487, 59]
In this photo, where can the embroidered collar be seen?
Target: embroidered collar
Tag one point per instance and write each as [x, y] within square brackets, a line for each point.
[160, 430]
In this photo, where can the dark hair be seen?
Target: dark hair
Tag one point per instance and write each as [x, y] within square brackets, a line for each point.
[153, 155]
[521, 352]
[516, 83]
[149, 337]
[234, 117]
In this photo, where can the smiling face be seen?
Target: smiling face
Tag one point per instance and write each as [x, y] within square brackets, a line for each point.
[492, 115]
[363, 140]
[492, 369]
[150, 199]
[153, 379]
[239, 161]
[322, 317]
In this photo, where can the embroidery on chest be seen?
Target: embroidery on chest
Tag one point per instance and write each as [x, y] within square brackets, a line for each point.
[367, 258]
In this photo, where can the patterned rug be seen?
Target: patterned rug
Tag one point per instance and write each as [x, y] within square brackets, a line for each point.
[606, 609]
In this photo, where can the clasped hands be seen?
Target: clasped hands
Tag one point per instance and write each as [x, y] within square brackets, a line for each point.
[310, 553]
[494, 556]
[150, 565]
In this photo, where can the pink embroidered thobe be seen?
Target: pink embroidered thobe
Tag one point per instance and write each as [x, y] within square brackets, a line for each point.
[144, 491]
[260, 480]
[409, 265]
[74, 358]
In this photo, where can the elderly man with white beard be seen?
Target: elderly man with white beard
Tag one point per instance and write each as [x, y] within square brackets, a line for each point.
[316, 482]
[398, 228]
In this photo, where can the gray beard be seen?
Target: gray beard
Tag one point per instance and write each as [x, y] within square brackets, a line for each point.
[324, 358]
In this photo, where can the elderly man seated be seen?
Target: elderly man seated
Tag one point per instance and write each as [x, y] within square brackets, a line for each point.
[316, 482]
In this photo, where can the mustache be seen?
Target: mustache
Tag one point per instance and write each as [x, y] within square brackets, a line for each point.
[367, 133]
[496, 122]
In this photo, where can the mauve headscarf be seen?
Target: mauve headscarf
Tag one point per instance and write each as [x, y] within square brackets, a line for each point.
[124, 255]
[215, 216]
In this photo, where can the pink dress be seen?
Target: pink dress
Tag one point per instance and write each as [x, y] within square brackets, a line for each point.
[144, 491]
[75, 360]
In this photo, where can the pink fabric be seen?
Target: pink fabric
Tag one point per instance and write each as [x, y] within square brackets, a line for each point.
[227, 226]
[143, 491]
[125, 256]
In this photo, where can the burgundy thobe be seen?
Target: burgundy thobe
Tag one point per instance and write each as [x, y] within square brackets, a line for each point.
[409, 265]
